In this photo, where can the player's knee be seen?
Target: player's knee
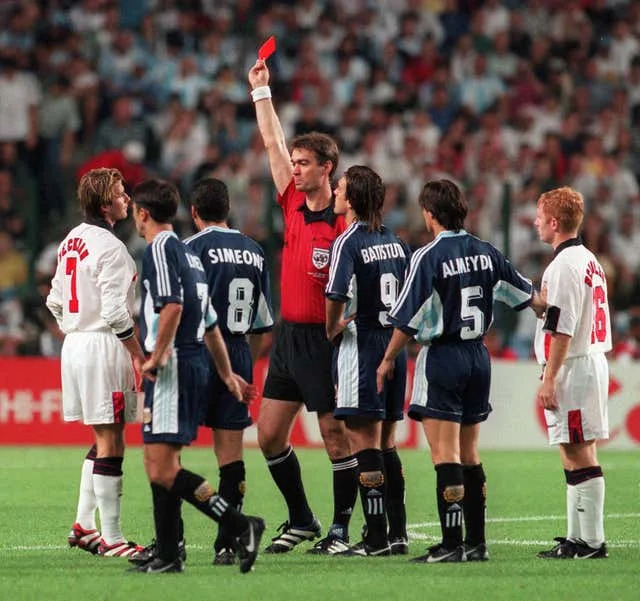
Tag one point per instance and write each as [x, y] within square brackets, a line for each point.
[335, 439]
[371, 479]
[453, 493]
[270, 442]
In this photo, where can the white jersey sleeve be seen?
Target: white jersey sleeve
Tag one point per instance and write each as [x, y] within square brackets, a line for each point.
[114, 279]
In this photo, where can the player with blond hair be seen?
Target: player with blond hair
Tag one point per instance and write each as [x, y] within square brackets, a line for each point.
[571, 342]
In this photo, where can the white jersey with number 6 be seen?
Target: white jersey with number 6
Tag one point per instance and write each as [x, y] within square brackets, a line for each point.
[93, 288]
[575, 283]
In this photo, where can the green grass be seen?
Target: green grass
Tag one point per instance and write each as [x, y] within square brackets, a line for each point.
[526, 510]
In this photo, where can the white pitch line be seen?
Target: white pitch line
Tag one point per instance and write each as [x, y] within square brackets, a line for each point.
[619, 544]
[531, 518]
[418, 535]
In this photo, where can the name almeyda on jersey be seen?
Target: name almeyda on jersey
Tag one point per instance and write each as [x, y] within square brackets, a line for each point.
[380, 252]
[235, 255]
[467, 264]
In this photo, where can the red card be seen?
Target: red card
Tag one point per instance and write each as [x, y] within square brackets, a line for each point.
[267, 49]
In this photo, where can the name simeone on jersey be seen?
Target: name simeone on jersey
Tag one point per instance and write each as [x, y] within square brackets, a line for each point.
[235, 255]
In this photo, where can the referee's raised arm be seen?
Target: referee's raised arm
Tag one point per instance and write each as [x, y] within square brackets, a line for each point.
[270, 127]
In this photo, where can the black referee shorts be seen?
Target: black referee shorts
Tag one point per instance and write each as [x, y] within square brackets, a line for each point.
[300, 367]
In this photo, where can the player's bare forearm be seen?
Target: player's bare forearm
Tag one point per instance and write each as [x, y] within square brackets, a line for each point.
[255, 346]
[398, 341]
[133, 346]
[385, 370]
[558, 350]
[137, 356]
[334, 313]
[218, 349]
[271, 130]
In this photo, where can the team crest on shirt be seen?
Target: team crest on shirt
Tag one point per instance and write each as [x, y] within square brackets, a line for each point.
[320, 258]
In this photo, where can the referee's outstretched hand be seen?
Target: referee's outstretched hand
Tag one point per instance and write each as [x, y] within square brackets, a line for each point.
[259, 74]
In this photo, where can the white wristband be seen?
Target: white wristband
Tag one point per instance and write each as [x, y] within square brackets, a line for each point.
[261, 93]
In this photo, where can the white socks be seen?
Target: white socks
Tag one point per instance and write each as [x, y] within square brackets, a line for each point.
[108, 490]
[87, 502]
[585, 511]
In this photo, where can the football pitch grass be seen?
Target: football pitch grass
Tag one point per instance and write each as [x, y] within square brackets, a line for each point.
[526, 509]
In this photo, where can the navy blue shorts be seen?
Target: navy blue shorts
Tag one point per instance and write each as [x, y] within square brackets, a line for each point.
[355, 363]
[452, 383]
[224, 411]
[173, 404]
[300, 367]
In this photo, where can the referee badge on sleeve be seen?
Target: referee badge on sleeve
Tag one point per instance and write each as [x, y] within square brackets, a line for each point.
[320, 258]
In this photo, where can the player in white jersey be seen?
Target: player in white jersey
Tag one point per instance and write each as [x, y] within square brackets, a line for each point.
[571, 342]
[92, 296]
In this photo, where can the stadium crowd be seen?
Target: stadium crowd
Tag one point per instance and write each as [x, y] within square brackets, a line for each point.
[507, 98]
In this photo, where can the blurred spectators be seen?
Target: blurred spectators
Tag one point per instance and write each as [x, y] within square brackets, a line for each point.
[506, 98]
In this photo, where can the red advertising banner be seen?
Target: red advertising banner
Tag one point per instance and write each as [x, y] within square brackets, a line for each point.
[31, 410]
[31, 404]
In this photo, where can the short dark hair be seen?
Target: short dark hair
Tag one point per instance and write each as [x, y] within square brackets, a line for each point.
[210, 197]
[365, 193]
[446, 202]
[322, 145]
[161, 198]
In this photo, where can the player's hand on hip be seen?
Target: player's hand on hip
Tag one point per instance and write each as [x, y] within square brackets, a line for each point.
[384, 372]
[547, 395]
[259, 74]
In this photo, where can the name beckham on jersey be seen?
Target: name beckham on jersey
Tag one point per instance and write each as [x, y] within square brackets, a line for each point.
[235, 255]
[380, 252]
[468, 264]
[74, 244]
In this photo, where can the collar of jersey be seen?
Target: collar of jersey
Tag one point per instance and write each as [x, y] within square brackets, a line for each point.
[451, 234]
[310, 216]
[98, 222]
[566, 244]
[217, 228]
[165, 233]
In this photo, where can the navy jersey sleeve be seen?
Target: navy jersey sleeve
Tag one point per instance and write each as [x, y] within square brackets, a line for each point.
[163, 274]
[263, 316]
[418, 310]
[341, 270]
[511, 288]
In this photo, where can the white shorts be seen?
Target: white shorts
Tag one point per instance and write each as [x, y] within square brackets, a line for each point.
[582, 390]
[98, 381]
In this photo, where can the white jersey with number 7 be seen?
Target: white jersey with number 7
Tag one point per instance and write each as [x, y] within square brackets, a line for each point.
[575, 283]
[93, 288]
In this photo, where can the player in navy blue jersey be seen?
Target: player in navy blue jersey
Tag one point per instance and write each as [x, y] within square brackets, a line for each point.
[176, 321]
[446, 304]
[368, 264]
[239, 289]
